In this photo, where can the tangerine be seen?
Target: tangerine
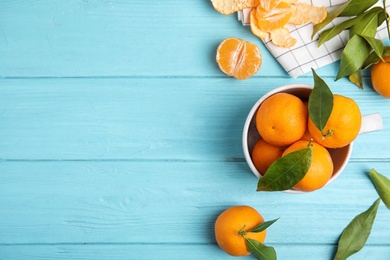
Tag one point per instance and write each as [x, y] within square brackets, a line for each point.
[273, 15]
[232, 223]
[306, 136]
[281, 119]
[238, 58]
[264, 154]
[380, 77]
[321, 166]
[343, 124]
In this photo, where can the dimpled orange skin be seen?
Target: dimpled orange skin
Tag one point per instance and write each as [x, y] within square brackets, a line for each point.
[281, 119]
[320, 170]
[344, 122]
[264, 154]
[380, 77]
[230, 222]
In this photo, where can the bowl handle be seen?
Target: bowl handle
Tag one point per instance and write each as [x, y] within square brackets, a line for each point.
[370, 123]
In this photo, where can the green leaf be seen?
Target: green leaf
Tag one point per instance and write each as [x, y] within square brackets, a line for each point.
[382, 186]
[356, 233]
[357, 79]
[356, 7]
[373, 58]
[329, 18]
[375, 44]
[353, 56]
[382, 16]
[368, 25]
[332, 32]
[320, 102]
[286, 172]
[263, 226]
[259, 250]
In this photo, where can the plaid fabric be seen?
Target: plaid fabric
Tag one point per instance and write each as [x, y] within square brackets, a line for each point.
[306, 54]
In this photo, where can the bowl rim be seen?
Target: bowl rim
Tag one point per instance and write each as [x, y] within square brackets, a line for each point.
[248, 121]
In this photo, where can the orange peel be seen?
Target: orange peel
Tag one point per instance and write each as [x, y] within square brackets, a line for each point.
[269, 18]
[304, 13]
[255, 29]
[281, 37]
[227, 7]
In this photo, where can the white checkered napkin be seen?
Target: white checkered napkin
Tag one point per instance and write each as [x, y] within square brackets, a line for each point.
[306, 54]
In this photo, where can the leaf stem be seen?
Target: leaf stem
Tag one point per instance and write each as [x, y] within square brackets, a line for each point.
[387, 18]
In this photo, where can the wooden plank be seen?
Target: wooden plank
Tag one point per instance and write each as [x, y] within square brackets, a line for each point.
[175, 251]
[170, 202]
[147, 118]
[120, 38]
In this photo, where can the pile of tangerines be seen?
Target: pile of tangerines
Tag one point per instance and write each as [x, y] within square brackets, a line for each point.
[283, 120]
[285, 126]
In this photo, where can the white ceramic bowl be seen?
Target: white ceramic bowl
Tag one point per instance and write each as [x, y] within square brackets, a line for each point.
[250, 134]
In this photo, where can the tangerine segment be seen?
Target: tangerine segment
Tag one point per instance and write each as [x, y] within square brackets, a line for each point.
[321, 166]
[254, 26]
[233, 220]
[267, 5]
[264, 154]
[277, 17]
[281, 119]
[343, 125]
[227, 7]
[380, 77]
[238, 58]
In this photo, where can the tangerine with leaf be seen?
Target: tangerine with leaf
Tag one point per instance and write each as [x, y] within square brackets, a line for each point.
[320, 169]
[241, 230]
[343, 124]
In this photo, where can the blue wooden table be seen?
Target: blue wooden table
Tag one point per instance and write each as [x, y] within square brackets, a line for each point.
[120, 138]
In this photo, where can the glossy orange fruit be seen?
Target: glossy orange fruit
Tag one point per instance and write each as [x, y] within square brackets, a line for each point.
[343, 125]
[238, 58]
[277, 16]
[306, 136]
[264, 154]
[281, 119]
[234, 220]
[380, 77]
[321, 167]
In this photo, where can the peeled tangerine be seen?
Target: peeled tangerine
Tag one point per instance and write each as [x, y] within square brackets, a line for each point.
[269, 20]
[238, 58]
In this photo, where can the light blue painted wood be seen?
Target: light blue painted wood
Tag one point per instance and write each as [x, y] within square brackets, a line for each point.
[70, 119]
[120, 138]
[137, 38]
[170, 202]
[147, 252]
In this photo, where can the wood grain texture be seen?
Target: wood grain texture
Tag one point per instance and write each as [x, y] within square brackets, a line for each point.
[169, 202]
[179, 251]
[119, 38]
[82, 119]
[120, 138]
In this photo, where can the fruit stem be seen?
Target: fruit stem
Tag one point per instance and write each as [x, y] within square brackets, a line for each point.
[310, 144]
[328, 134]
[242, 231]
